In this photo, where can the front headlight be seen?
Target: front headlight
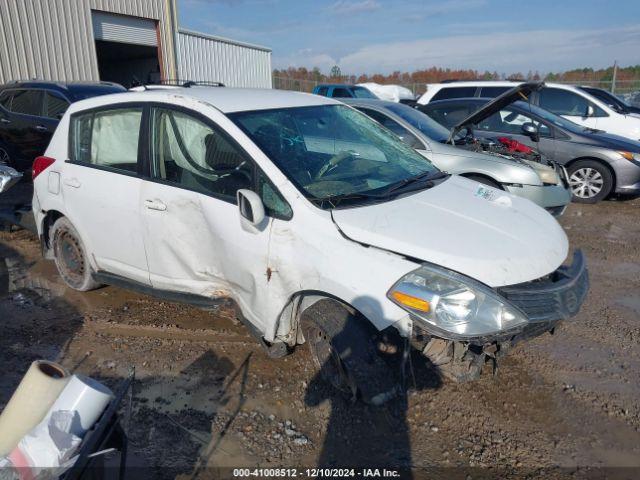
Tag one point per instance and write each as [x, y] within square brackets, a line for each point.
[453, 303]
[546, 173]
[630, 156]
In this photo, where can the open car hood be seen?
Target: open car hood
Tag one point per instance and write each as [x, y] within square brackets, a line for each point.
[519, 92]
[484, 233]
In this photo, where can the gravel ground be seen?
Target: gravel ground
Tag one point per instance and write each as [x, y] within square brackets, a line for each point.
[206, 394]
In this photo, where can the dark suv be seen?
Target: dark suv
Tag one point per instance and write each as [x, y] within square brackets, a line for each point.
[30, 111]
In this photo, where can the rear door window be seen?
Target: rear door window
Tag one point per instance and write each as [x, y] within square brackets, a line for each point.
[454, 92]
[55, 105]
[27, 102]
[107, 138]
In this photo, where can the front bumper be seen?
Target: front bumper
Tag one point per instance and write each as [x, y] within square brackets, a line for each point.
[545, 302]
[553, 198]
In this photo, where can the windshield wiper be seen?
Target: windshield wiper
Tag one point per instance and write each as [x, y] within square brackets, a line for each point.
[418, 182]
[334, 200]
[424, 180]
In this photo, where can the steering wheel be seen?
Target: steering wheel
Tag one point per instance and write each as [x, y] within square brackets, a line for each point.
[333, 162]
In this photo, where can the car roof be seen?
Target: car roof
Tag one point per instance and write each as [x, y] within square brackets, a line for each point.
[225, 99]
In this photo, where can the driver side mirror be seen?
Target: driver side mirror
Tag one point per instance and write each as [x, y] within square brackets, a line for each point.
[590, 111]
[531, 131]
[251, 207]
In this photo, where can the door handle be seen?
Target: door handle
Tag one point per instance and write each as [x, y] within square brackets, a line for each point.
[5, 120]
[41, 128]
[72, 182]
[155, 205]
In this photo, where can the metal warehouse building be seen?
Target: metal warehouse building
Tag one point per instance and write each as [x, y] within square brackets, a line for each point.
[124, 41]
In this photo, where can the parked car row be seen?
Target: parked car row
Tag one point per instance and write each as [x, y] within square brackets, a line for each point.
[588, 131]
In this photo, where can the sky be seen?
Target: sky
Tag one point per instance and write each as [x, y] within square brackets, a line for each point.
[382, 36]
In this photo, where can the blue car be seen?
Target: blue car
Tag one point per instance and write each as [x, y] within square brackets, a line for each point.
[340, 90]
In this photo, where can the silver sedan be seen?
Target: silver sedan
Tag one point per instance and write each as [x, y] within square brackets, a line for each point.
[539, 183]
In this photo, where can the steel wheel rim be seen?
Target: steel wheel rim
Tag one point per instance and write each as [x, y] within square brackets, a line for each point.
[586, 182]
[4, 157]
[70, 258]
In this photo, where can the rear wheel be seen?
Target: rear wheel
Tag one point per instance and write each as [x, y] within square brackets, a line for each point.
[590, 181]
[484, 181]
[71, 257]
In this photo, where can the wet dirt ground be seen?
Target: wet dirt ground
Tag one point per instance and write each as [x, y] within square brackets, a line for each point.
[207, 395]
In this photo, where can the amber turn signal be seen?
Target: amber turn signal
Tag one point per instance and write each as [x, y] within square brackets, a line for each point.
[410, 301]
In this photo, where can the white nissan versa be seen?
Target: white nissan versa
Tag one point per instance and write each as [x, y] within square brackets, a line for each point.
[320, 224]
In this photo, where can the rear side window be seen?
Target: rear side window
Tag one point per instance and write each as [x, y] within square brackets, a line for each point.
[323, 91]
[107, 138]
[492, 92]
[454, 92]
[54, 105]
[341, 93]
[27, 102]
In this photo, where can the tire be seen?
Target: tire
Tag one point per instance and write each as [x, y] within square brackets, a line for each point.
[484, 181]
[344, 353]
[71, 257]
[590, 181]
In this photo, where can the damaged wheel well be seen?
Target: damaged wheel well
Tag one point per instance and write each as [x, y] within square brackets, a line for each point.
[47, 222]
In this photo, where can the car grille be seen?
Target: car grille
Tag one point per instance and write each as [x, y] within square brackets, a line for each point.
[557, 296]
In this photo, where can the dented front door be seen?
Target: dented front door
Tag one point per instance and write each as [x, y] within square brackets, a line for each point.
[194, 238]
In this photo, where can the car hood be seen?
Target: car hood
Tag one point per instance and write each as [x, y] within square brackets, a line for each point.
[484, 233]
[519, 92]
[447, 149]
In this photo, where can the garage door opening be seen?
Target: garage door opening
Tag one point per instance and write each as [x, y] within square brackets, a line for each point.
[127, 48]
[127, 64]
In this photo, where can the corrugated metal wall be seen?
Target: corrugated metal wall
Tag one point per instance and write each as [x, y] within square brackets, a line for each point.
[53, 39]
[207, 58]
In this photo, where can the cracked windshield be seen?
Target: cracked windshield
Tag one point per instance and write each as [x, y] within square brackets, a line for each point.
[332, 152]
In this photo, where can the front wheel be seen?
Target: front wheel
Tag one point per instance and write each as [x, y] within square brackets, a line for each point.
[344, 352]
[71, 257]
[590, 181]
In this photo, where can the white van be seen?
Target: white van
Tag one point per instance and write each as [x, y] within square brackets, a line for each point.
[317, 222]
[568, 101]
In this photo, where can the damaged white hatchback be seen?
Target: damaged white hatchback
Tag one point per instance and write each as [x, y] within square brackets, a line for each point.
[317, 222]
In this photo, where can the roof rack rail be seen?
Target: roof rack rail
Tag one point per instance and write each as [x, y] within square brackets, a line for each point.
[183, 83]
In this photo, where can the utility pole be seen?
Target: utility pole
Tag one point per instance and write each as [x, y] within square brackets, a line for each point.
[613, 79]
